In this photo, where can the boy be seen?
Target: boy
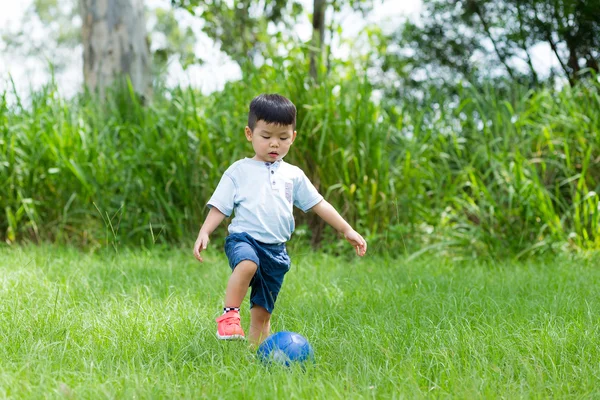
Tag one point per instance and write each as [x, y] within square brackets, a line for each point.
[262, 191]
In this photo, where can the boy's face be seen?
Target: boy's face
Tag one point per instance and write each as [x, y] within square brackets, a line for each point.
[271, 142]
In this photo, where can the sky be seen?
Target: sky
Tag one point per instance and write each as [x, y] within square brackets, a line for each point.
[32, 72]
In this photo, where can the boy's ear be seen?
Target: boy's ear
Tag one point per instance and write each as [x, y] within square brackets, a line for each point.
[294, 136]
[248, 132]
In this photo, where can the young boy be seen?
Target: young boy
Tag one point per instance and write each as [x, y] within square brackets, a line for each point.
[262, 191]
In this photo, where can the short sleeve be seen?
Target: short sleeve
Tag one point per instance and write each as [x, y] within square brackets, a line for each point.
[306, 196]
[224, 196]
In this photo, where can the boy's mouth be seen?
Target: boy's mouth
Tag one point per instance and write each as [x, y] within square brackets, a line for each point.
[273, 154]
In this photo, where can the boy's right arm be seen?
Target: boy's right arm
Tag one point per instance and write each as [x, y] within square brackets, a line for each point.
[213, 219]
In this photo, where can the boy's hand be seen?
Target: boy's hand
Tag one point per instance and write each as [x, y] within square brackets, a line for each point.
[200, 245]
[356, 241]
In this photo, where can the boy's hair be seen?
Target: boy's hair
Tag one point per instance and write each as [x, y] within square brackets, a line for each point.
[273, 109]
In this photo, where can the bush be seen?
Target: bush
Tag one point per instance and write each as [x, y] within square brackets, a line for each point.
[490, 172]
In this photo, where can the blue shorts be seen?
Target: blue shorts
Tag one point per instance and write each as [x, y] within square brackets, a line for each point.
[273, 263]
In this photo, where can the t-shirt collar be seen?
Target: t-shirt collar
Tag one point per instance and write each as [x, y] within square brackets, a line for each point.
[267, 164]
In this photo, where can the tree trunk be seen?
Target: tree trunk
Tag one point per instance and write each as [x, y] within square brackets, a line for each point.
[318, 23]
[115, 44]
[486, 27]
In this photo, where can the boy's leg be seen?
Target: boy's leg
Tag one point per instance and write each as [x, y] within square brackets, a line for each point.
[238, 284]
[260, 324]
[228, 324]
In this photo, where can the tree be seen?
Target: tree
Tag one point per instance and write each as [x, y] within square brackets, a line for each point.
[570, 27]
[241, 26]
[318, 36]
[244, 28]
[477, 39]
[61, 21]
[115, 44]
[247, 30]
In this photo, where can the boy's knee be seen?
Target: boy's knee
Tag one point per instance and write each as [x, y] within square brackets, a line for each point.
[247, 266]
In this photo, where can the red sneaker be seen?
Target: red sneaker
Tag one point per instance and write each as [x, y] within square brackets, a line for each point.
[229, 328]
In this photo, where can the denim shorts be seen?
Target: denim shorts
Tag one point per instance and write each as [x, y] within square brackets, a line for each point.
[272, 260]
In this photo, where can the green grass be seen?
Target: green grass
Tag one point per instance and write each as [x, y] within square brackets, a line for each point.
[487, 171]
[140, 324]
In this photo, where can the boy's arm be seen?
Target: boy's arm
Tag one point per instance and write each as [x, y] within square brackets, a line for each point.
[333, 218]
[213, 219]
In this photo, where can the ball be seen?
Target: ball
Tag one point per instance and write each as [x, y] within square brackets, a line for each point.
[285, 348]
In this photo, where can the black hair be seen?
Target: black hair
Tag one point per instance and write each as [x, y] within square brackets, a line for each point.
[273, 109]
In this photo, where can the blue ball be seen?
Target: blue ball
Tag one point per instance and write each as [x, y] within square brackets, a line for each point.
[285, 348]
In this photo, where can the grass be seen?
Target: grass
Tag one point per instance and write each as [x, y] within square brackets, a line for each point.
[140, 324]
[487, 171]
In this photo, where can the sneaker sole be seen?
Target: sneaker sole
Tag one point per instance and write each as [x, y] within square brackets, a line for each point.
[231, 337]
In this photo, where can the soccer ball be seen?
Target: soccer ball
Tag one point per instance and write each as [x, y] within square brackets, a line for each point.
[285, 348]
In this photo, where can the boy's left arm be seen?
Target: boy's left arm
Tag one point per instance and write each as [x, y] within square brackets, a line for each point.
[333, 218]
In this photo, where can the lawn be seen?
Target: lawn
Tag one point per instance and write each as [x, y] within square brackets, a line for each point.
[140, 324]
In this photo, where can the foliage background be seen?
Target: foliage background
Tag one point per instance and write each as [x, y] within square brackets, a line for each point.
[420, 152]
[498, 170]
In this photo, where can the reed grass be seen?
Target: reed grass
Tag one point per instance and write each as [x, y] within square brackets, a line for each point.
[487, 172]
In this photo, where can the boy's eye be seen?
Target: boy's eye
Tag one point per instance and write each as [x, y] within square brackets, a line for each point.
[284, 138]
[266, 137]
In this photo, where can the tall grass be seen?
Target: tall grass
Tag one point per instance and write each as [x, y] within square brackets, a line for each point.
[488, 172]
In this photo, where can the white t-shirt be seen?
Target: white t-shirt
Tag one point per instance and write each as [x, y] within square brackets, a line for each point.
[262, 196]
